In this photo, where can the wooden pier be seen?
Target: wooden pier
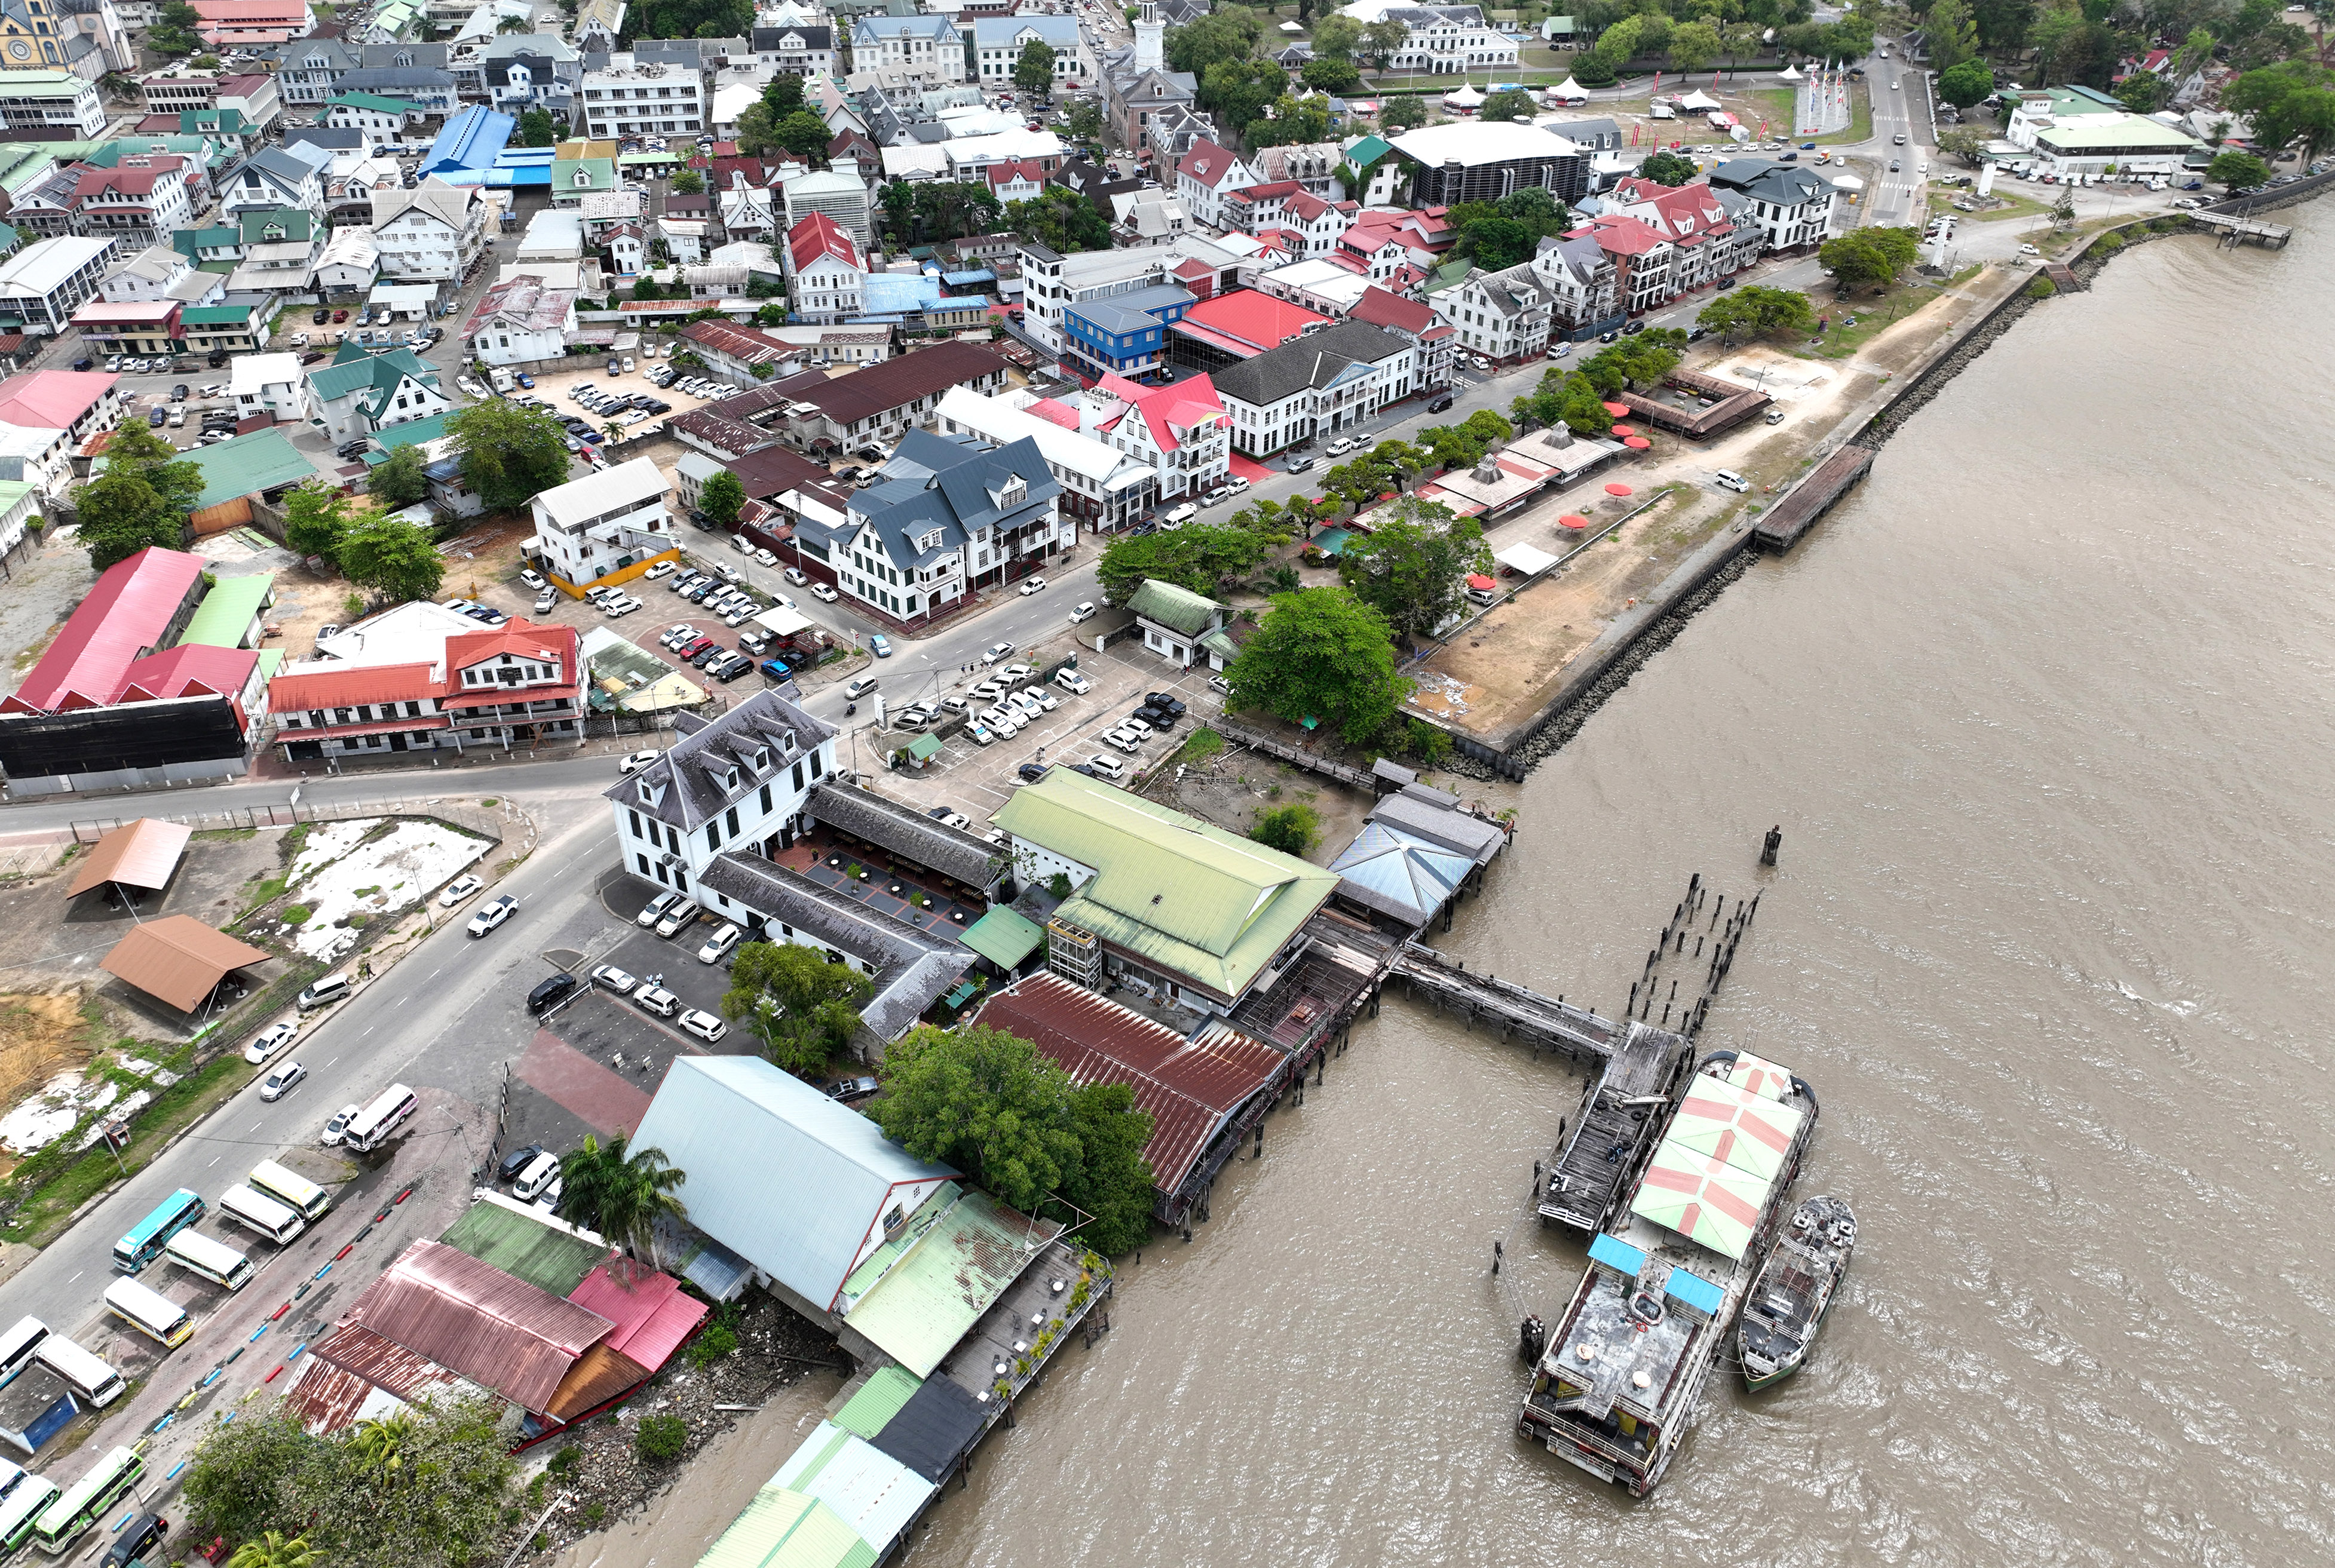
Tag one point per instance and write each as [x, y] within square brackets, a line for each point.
[1612, 1133]
[1297, 757]
[1516, 1012]
[1781, 525]
[2235, 230]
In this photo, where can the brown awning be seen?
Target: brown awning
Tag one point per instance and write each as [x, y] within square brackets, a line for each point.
[143, 855]
[179, 958]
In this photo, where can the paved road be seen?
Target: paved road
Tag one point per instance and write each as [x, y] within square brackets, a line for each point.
[448, 1017]
[1901, 135]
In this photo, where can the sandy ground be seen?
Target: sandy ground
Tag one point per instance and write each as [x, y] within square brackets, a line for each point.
[1498, 670]
[41, 1036]
[1237, 786]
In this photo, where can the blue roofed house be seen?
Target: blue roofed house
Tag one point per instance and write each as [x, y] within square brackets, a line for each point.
[467, 147]
[998, 42]
[361, 392]
[1419, 851]
[1121, 334]
[897, 52]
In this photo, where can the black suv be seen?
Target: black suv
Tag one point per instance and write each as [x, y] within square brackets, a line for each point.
[551, 994]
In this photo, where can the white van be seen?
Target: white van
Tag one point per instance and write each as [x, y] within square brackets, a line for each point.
[540, 1173]
[88, 1376]
[330, 989]
[263, 1215]
[1108, 767]
[17, 1345]
[503, 380]
[1180, 515]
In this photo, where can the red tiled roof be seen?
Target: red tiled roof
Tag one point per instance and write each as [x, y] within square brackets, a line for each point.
[126, 612]
[1257, 320]
[1207, 163]
[1380, 308]
[819, 235]
[1012, 169]
[739, 173]
[1164, 408]
[1280, 189]
[1621, 235]
[130, 176]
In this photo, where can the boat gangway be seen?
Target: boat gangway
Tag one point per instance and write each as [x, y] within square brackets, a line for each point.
[1516, 1011]
[1298, 757]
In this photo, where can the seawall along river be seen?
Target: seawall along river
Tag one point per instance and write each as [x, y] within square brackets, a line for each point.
[2043, 712]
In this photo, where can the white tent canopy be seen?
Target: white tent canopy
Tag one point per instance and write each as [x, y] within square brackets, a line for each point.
[1789, 74]
[1847, 182]
[1463, 97]
[1291, 27]
[1524, 559]
[1569, 90]
[1698, 103]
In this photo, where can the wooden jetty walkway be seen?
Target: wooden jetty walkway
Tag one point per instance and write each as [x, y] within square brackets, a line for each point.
[1611, 1133]
[1515, 1011]
[1781, 525]
[2237, 230]
[1297, 757]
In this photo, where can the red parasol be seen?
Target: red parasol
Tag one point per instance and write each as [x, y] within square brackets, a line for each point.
[1626, 429]
[1572, 521]
[1617, 490]
[1617, 410]
[1636, 443]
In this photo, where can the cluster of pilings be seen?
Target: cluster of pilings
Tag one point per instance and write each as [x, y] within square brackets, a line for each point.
[1720, 935]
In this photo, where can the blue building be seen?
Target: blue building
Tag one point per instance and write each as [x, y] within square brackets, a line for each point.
[1120, 334]
[469, 146]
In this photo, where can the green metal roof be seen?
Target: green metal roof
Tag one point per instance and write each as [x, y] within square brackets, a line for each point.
[952, 1272]
[869, 1410]
[1180, 608]
[373, 101]
[544, 1256]
[296, 222]
[925, 747]
[603, 172]
[229, 610]
[1003, 937]
[1368, 148]
[217, 315]
[1195, 900]
[410, 433]
[781, 1528]
[1220, 642]
[191, 241]
[380, 371]
[262, 461]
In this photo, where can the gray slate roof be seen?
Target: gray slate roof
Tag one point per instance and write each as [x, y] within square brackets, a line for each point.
[945, 484]
[867, 815]
[690, 781]
[1787, 184]
[1316, 359]
[1420, 810]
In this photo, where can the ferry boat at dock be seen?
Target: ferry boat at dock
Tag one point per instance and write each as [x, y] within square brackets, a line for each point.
[1619, 1380]
[1795, 1290]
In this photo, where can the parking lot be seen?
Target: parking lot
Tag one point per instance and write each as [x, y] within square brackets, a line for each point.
[977, 780]
[554, 389]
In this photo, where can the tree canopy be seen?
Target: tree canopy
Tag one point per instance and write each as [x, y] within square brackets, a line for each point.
[722, 495]
[1060, 219]
[1753, 311]
[508, 454]
[803, 1008]
[2234, 170]
[1321, 653]
[139, 501]
[1966, 83]
[396, 559]
[1412, 566]
[1034, 70]
[1668, 168]
[1509, 103]
[316, 518]
[988, 1102]
[2290, 102]
[1293, 829]
[620, 1192]
[1226, 33]
[535, 129]
[399, 479]
[1201, 557]
[1873, 255]
[429, 1493]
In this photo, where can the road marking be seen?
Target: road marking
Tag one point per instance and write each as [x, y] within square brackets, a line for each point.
[330, 1059]
[254, 1126]
[77, 1273]
[214, 1159]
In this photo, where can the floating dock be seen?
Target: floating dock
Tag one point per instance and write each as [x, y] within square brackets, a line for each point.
[1781, 525]
[1620, 1114]
[2237, 230]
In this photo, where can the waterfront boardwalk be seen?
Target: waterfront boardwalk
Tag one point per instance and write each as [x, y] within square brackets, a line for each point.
[1612, 1131]
[2244, 230]
[1515, 1011]
[1780, 528]
[1298, 757]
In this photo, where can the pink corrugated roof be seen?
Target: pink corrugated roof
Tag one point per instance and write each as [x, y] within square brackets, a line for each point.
[50, 400]
[124, 615]
[653, 1318]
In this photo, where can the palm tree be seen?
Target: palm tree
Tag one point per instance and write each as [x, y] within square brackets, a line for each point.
[613, 431]
[514, 25]
[619, 1193]
[272, 1551]
[382, 1442]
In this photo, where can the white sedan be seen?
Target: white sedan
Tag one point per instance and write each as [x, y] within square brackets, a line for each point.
[823, 594]
[459, 889]
[1032, 585]
[635, 762]
[493, 915]
[269, 1041]
[281, 1080]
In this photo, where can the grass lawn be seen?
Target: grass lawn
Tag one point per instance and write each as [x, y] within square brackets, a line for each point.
[2016, 206]
[1874, 313]
[46, 1209]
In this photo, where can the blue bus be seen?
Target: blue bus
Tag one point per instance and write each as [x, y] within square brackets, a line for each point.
[147, 1238]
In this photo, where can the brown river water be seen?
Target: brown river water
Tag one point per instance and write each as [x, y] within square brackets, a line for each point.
[2043, 712]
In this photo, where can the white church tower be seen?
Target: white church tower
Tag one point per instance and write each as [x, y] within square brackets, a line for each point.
[1150, 34]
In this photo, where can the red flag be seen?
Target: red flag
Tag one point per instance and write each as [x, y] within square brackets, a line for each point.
[1658, 81]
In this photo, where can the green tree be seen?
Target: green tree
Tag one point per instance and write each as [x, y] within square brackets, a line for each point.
[1401, 114]
[1966, 83]
[174, 29]
[380, 1443]
[1510, 103]
[1336, 36]
[688, 182]
[399, 480]
[647, 287]
[1034, 70]
[1495, 242]
[535, 129]
[620, 1193]
[758, 129]
[2288, 104]
[1238, 92]
[783, 96]
[1970, 146]
[802, 133]
[1293, 829]
[1951, 34]
[396, 559]
[952, 209]
[1668, 168]
[2196, 53]
[136, 451]
[1110, 1180]
[721, 500]
[1321, 653]
[2143, 93]
[1334, 73]
[801, 1007]
[1695, 44]
[1060, 219]
[1086, 120]
[1872, 254]
[120, 516]
[1412, 566]
[1382, 41]
[508, 454]
[984, 1102]
[771, 315]
[317, 516]
[1756, 312]
[271, 1550]
[1200, 556]
[1227, 33]
[1591, 70]
[2233, 170]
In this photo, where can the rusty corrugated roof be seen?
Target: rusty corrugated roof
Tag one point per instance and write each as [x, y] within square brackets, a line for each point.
[598, 1376]
[179, 958]
[331, 1391]
[143, 855]
[501, 1332]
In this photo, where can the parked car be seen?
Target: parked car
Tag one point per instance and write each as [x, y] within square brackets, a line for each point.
[335, 1129]
[717, 946]
[282, 1081]
[461, 887]
[823, 594]
[636, 760]
[1033, 585]
[610, 977]
[1084, 610]
[703, 1025]
[1299, 465]
[655, 909]
[1030, 772]
[492, 916]
[533, 579]
[845, 1090]
[1728, 479]
[1071, 681]
[1122, 740]
[269, 1041]
[678, 916]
